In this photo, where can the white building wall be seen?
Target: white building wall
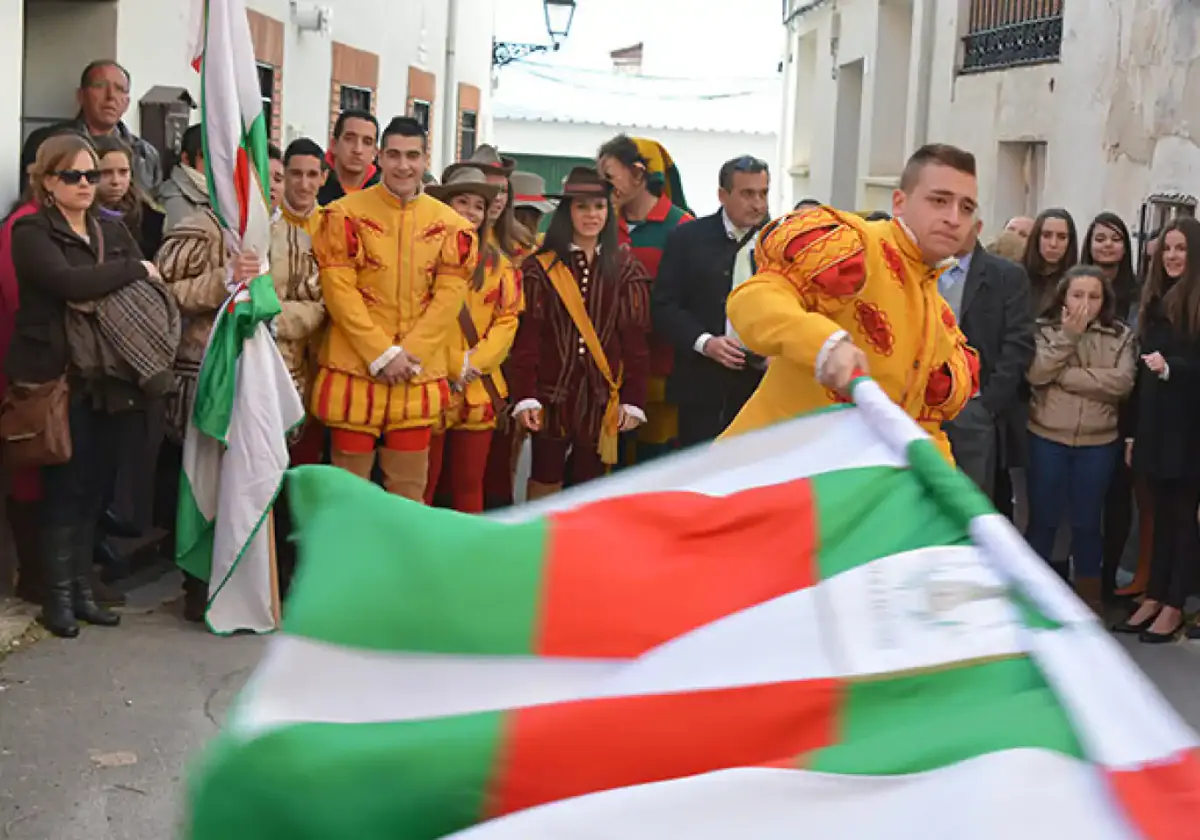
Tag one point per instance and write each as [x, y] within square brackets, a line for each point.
[697, 154]
[149, 37]
[11, 65]
[1114, 120]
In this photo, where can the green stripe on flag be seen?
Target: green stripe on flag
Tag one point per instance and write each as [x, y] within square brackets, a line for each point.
[873, 512]
[929, 720]
[193, 534]
[367, 781]
[451, 583]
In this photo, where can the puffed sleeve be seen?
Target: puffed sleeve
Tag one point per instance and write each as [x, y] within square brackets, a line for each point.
[338, 247]
[810, 266]
[495, 343]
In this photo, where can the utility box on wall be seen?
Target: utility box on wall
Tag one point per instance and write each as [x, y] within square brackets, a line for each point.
[165, 112]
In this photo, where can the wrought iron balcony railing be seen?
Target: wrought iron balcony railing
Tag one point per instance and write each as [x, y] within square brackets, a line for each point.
[1012, 33]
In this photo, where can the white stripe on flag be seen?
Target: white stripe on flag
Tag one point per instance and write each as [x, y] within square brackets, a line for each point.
[839, 439]
[1027, 794]
[921, 609]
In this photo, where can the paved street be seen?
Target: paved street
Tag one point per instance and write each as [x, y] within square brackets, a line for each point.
[95, 734]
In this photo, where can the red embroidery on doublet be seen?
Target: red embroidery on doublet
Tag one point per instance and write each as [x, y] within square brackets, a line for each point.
[875, 327]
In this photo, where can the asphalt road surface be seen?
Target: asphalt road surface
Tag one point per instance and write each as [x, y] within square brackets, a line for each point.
[96, 733]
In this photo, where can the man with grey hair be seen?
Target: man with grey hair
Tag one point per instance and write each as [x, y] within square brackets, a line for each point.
[702, 262]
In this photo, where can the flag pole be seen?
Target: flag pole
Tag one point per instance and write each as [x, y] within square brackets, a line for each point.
[273, 565]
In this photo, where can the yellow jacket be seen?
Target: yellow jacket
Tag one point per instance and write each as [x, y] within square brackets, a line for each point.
[823, 272]
[495, 309]
[393, 273]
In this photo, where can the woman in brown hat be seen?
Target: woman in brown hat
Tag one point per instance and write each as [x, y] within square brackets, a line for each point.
[580, 361]
[487, 324]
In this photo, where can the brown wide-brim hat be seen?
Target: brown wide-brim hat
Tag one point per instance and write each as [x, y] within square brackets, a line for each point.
[465, 181]
[529, 190]
[486, 159]
[584, 182]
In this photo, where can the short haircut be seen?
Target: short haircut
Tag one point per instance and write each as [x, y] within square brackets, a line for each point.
[192, 144]
[806, 202]
[747, 164]
[878, 216]
[303, 147]
[941, 154]
[273, 152]
[100, 64]
[353, 114]
[404, 127]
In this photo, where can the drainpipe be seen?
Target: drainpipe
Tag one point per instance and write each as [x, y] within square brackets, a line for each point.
[450, 92]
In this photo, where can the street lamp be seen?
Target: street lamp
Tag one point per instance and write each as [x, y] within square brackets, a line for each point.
[559, 16]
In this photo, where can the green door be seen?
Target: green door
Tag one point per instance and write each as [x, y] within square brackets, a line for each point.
[554, 168]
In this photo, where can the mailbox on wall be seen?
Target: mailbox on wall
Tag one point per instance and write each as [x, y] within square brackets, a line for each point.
[165, 113]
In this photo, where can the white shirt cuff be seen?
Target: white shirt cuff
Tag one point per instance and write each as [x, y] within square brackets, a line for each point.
[1166, 374]
[526, 405]
[700, 342]
[466, 365]
[376, 367]
[634, 412]
[827, 348]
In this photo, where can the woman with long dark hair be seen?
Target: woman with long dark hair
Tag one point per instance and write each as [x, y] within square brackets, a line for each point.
[1082, 371]
[1053, 249]
[1108, 246]
[580, 360]
[119, 197]
[1164, 443]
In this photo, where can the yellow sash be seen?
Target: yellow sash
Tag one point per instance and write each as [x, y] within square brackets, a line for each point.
[568, 292]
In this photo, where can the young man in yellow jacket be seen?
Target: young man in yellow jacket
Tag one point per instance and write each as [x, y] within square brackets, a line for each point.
[835, 296]
[394, 269]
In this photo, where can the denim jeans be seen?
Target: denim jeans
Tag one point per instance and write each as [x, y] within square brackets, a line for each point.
[1071, 479]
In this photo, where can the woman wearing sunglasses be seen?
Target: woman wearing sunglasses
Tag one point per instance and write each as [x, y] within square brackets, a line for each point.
[65, 256]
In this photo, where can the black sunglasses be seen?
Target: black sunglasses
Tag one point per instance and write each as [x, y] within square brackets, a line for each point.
[72, 177]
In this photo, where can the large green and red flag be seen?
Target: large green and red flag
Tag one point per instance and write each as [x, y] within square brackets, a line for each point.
[235, 449]
[818, 630]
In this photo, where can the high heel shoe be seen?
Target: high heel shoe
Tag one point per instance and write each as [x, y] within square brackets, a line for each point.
[1127, 627]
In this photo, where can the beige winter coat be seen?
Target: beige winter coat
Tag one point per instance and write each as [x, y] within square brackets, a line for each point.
[1079, 382]
[193, 263]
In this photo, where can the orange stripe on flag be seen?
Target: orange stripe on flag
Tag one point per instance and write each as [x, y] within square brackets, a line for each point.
[626, 575]
[1163, 799]
[569, 749]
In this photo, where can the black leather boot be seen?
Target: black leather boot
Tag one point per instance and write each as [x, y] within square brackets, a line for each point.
[115, 526]
[86, 608]
[23, 519]
[58, 549]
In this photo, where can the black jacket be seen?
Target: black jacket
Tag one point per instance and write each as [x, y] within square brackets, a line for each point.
[997, 320]
[54, 266]
[688, 300]
[332, 189]
[1165, 415]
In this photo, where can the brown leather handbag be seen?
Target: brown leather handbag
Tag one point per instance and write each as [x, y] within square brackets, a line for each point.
[35, 426]
[499, 404]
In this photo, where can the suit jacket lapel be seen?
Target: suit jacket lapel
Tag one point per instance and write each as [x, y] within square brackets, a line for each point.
[976, 277]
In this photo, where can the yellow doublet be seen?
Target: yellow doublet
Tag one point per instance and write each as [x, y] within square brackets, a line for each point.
[393, 273]
[821, 272]
[495, 309]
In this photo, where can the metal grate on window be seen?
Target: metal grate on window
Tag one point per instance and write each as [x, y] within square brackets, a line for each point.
[355, 98]
[266, 90]
[420, 113]
[467, 133]
[1012, 33]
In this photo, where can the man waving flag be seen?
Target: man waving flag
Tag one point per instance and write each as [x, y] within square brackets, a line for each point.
[235, 450]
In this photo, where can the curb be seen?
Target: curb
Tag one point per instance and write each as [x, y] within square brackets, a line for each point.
[17, 619]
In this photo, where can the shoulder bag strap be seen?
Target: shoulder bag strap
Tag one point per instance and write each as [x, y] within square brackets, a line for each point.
[467, 325]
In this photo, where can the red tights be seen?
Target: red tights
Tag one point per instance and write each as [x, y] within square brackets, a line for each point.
[467, 462]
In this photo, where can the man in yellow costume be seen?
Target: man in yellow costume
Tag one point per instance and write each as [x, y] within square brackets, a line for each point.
[835, 295]
[394, 269]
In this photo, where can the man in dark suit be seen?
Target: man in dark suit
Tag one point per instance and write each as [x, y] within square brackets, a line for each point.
[990, 297]
[714, 374]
